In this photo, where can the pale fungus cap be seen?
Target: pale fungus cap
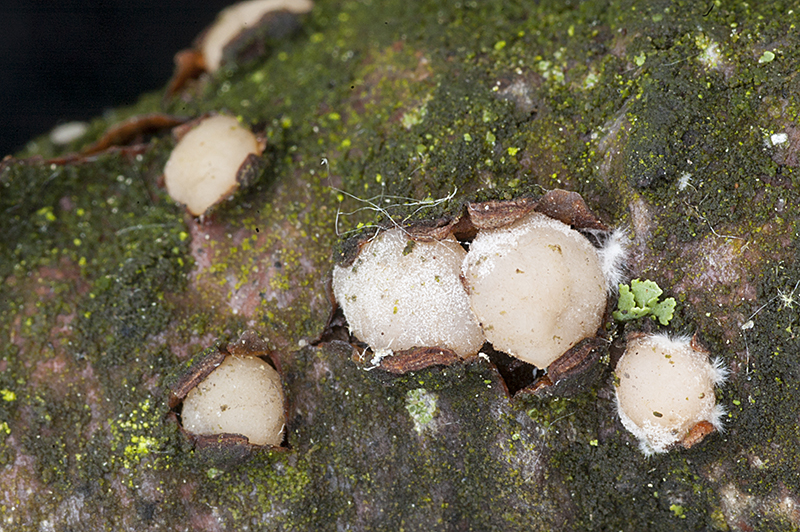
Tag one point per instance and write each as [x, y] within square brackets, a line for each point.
[243, 396]
[204, 167]
[63, 134]
[400, 294]
[239, 17]
[664, 388]
[537, 288]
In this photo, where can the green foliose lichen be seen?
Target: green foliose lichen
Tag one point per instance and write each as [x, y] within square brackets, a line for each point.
[640, 299]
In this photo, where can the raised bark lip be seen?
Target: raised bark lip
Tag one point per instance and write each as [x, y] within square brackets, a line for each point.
[189, 64]
[419, 358]
[562, 205]
[697, 434]
[122, 133]
[119, 137]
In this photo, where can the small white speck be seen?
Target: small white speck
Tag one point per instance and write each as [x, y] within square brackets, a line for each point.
[66, 133]
[778, 138]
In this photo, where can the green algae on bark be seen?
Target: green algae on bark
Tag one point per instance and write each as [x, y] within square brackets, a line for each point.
[666, 116]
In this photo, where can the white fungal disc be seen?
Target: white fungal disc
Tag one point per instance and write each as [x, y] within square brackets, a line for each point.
[204, 165]
[664, 388]
[400, 294]
[242, 396]
[536, 287]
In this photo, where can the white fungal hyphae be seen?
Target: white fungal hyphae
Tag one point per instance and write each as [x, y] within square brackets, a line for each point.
[243, 396]
[613, 253]
[537, 288]
[400, 294]
[665, 387]
[239, 17]
[204, 166]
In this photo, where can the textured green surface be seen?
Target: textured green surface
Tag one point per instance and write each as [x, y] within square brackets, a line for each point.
[660, 115]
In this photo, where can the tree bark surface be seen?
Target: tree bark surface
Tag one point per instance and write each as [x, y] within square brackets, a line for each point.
[677, 121]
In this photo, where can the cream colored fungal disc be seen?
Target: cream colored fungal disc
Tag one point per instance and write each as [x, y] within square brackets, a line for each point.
[664, 388]
[239, 17]
[242, 396]
[204, 165]
[536, 287]
[400, 294]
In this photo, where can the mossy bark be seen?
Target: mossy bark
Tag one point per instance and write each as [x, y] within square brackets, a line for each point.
[675, 119]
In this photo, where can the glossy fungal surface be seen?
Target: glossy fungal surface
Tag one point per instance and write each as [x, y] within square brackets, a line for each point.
[537, 288]
[243, 396]
[204, 166]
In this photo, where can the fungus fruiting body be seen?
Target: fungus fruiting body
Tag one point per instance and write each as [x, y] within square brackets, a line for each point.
[401, 293]
[239, 17]
[206, 165]
[665, 391]
[243, 396]
[63, 134]
[531, 283]
[241, 31]
[537, 288]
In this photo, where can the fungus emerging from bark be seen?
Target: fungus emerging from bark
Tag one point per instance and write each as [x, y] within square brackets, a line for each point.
[209, 162]
[665, 392]
[237, 18]
[537, 287]
[242, 396]
[400, 293]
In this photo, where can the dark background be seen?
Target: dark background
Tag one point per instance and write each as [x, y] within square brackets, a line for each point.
[69, 60]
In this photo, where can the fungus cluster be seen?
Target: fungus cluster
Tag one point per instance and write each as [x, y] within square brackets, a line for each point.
[210, 162]
[531, 285]
[520, 276]
[665, 391]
